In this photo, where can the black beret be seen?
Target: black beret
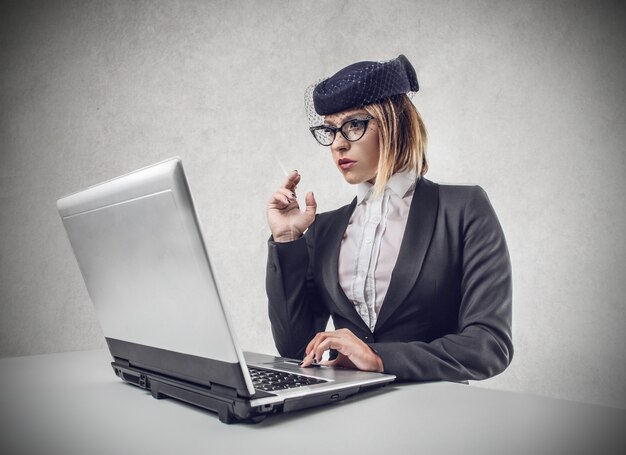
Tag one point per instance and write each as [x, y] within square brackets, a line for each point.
[364, 83]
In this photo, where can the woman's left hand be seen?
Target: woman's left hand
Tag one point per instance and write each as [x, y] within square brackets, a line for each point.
[353, 352]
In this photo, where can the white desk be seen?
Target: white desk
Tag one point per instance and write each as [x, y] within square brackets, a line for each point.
[72, 403]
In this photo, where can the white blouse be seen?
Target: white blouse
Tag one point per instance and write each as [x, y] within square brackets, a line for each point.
[371, 243]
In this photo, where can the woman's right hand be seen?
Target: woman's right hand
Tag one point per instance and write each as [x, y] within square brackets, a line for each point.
[284, 217]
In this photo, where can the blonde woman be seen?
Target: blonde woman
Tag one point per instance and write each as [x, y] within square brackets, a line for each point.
[416, 276]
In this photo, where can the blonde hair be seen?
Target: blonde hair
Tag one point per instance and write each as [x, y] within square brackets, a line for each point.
[403, 139]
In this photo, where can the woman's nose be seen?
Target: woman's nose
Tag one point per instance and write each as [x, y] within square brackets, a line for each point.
[340, 144]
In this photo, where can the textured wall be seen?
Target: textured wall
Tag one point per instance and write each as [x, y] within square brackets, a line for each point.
[523, 98]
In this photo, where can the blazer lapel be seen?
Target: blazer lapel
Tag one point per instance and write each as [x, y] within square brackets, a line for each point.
[329, 261]
[417, 236]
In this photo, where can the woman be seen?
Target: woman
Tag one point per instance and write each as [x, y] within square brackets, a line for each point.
[416, 276]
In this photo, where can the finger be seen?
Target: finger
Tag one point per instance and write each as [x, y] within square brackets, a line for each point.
[279, 201]
[330, 342]
[293, 178]
[296, 180]
[320, 336]
[308, 360]
[314, 341]
[311, 348]
[290, 194]
[311, 204]
[309, 352]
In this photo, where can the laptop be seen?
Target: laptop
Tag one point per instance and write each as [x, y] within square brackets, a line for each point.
[139, 246]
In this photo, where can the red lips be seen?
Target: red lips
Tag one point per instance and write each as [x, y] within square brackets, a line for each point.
[345, 163]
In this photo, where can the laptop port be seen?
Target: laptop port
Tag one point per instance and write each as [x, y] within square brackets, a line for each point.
[265, 408]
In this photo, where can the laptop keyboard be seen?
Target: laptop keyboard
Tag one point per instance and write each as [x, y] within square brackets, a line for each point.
[270, 380]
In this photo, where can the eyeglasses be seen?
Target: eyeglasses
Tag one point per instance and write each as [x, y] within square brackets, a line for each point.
[352, 130]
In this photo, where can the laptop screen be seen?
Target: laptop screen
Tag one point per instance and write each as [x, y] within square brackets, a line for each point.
[140, 249]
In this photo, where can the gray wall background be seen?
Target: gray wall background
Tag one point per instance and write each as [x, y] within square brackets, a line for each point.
[525, 98]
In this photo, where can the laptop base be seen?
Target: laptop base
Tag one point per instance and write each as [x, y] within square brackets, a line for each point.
[221, 400]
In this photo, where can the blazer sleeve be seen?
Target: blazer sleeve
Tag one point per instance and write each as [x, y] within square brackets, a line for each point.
[295, 311]
[482, 346]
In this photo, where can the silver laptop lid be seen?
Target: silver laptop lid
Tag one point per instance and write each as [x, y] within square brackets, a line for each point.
[140, 249]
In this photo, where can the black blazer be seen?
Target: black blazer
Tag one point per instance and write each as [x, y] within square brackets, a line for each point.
[447, 312]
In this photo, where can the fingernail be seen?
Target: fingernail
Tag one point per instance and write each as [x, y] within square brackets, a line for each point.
[300, 364]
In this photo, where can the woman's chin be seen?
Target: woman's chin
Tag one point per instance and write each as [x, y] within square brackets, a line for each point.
[354, 179]
[351, 177]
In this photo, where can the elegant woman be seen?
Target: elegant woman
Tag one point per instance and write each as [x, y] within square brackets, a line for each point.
[416, 276]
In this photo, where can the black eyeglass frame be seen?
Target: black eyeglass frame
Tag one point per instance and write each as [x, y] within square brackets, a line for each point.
[335, 129]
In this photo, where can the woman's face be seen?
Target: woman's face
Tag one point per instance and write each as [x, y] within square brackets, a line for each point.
[357, 161]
